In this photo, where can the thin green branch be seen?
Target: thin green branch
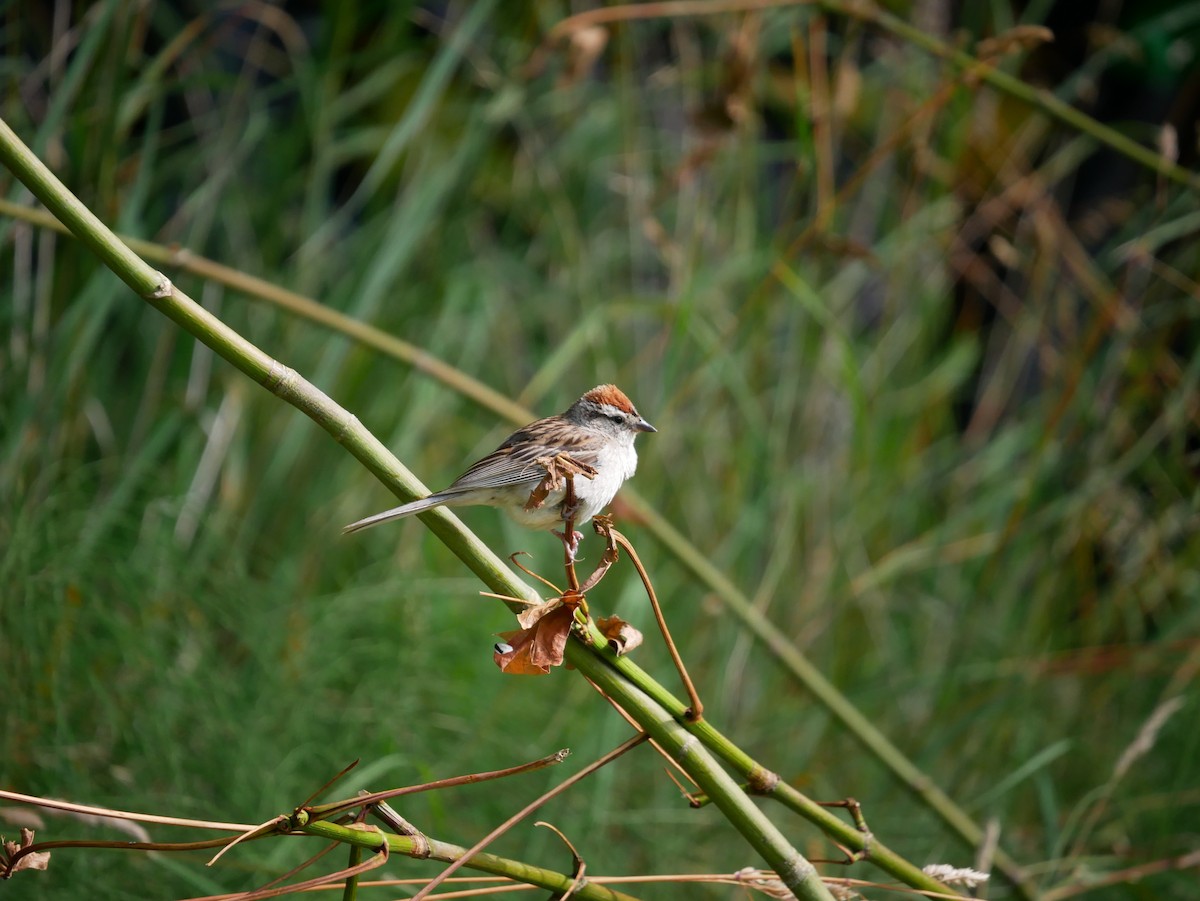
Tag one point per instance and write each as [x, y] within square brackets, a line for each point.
[766, 783]
[827, 694]
[528, 809]
[372, 839]
[350, 890]
[669, 734]
[336, 808]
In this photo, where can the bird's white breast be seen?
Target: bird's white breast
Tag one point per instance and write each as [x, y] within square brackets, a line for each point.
[614, 464]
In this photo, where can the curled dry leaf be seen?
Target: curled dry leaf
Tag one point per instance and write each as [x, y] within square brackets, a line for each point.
[534, 650]
[530, 615]
[623, 636]
[38, 860]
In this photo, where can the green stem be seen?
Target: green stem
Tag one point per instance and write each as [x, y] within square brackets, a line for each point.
[374, 840]
[792, 868]
[350, 890]
[764, 782]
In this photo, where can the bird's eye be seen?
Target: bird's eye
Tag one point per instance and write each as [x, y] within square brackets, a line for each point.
[616, 417]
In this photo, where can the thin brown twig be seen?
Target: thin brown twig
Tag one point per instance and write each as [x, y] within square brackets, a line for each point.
[267, 828]
[529, 572]
[325, 811]
[696, 711]
[576, 859]
[529, 808]
[821, 111]
[692, 799]
[274, 890]
[272, 825]
[112, 813]
[602, 525]
[8, 865]
[271, 886]
[860, 823]
[624, 714]
[391, 818]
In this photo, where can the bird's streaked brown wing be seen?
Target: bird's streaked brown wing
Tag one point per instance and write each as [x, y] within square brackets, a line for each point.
[515, 461]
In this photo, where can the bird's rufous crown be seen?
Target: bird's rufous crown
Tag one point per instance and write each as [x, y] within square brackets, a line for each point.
[611, 395]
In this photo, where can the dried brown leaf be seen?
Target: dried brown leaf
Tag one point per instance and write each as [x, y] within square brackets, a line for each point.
[530, 615]
[38, 860]
[533, 651]
[623, 636]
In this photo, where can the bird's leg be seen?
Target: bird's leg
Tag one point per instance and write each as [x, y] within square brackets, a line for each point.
[570, 543]
[561, 469]
[570, 538]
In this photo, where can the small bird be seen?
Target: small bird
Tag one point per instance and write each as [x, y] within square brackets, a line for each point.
[596, 431]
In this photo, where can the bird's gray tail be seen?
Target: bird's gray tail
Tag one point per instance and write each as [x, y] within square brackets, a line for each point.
[412, 507]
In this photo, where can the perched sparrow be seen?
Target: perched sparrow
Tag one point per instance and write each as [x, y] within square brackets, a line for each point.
[596, 431]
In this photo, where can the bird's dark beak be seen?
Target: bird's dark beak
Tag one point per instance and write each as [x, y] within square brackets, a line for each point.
[642, 426]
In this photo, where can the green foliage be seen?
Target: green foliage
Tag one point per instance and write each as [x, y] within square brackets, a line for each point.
[936, 414]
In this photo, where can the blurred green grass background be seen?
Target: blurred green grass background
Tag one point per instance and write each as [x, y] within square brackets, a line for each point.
[922, 363]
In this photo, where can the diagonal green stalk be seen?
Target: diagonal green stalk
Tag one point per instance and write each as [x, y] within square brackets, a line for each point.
[792, 868]
[762, 781]
[350, 890]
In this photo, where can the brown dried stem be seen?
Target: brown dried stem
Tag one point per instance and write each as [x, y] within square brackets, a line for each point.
[695, 712]
[325, 811]
[526, 811]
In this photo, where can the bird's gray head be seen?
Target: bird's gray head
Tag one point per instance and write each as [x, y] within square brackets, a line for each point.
[607, 408]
